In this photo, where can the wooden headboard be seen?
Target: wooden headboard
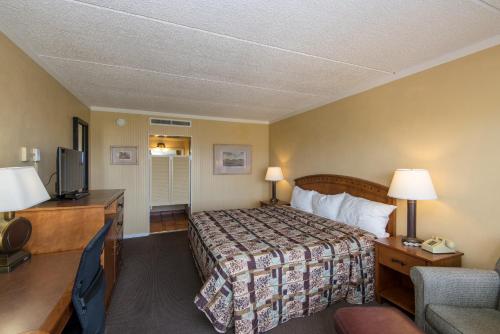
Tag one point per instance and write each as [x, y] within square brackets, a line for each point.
[335, 184]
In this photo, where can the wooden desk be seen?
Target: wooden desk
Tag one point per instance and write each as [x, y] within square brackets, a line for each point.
[36, 296]
[60, 226]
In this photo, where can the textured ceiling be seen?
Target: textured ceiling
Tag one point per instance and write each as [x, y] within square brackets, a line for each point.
[256, 60]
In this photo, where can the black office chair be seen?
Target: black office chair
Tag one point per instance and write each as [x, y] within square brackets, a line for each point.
[90, 285]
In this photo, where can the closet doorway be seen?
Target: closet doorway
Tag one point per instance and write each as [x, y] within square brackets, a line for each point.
[170, 182]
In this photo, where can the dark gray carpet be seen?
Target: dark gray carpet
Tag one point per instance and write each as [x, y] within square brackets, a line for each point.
[157, 285]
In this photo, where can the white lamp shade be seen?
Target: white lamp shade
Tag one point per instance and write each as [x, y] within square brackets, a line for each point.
[412, 184]
[20, 188]
[274, 174]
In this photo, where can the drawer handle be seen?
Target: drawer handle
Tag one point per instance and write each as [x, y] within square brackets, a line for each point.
[398, 261]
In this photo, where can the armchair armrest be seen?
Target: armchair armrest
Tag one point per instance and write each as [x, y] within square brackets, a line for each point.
[453, 286]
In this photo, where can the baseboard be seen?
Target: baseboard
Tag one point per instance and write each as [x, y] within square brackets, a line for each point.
[137, 235]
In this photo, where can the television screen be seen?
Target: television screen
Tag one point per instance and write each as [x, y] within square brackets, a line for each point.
[70, 171]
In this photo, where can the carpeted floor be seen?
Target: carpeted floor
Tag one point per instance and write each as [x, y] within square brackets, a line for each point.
[157, 285]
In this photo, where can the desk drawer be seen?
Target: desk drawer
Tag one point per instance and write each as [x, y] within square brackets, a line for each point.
[115, 207]
[398, 261]
[119, 204]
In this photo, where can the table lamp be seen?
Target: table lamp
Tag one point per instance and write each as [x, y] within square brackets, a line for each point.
[274, 174]
[20, 188]
[412, 185]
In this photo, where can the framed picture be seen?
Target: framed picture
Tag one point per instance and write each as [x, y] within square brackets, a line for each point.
[232, 159]
[124, 155]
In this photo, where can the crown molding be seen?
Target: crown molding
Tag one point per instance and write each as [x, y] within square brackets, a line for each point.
[163, 114]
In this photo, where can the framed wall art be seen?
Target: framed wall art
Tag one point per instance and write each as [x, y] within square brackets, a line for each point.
[232, 159]
[124, 155]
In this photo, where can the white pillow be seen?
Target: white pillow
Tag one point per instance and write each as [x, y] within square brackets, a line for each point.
[367, 215]
[302, 199]
[327, 206]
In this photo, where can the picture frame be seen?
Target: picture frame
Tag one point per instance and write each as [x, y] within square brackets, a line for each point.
[124, 155]
[232, 159]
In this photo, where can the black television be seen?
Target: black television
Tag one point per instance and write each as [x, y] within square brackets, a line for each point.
[71, 173]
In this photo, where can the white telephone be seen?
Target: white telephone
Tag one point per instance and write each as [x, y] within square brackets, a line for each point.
[439, 245]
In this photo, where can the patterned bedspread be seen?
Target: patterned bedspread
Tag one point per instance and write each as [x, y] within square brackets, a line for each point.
[264, 266]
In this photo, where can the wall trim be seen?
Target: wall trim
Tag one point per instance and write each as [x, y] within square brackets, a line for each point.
[164, 114]
[136, 235]
[446, 58]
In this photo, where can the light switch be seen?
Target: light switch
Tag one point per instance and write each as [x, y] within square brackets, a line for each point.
[24, 154]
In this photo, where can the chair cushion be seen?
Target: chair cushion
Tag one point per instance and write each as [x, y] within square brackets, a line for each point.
[373, 320]
[447, 319]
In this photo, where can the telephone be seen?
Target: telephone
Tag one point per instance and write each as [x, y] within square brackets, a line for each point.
[439, 245]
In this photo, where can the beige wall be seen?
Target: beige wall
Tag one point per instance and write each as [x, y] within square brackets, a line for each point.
[35, 111]
[446, 119]
[208, 191]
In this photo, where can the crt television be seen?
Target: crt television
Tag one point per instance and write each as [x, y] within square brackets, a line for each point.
[70, 173]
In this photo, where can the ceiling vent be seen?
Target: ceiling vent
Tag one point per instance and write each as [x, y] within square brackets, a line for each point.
[169, 122]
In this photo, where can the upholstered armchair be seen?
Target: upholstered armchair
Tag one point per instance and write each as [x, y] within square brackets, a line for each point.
[457, 300]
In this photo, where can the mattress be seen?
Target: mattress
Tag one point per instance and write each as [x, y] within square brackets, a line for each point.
[264, 266]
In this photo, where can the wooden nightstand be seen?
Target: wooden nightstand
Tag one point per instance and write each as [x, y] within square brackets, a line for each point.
[392, 270]
[268, 203]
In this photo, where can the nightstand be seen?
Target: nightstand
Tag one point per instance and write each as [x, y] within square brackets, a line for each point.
[268, 203]
[392, 270]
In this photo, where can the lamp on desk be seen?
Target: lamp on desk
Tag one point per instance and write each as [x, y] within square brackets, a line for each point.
[412, 185]
[20, 188]
[274, 174]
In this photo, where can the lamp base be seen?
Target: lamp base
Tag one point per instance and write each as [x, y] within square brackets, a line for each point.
[8, 262]
[413, 242]
[273, 199]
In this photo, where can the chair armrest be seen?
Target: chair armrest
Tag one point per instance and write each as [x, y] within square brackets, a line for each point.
[453, 286]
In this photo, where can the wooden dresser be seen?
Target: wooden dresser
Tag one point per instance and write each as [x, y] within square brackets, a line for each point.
[36, 296]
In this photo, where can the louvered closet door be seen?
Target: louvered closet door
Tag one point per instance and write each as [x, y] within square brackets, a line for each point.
[160, 181]
[180, 180]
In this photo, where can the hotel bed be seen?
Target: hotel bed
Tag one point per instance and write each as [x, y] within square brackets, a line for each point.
[264, 266]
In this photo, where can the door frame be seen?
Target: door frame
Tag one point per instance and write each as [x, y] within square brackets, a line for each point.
[150, 174]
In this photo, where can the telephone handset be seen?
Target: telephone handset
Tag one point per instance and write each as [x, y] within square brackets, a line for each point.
[439, 245]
